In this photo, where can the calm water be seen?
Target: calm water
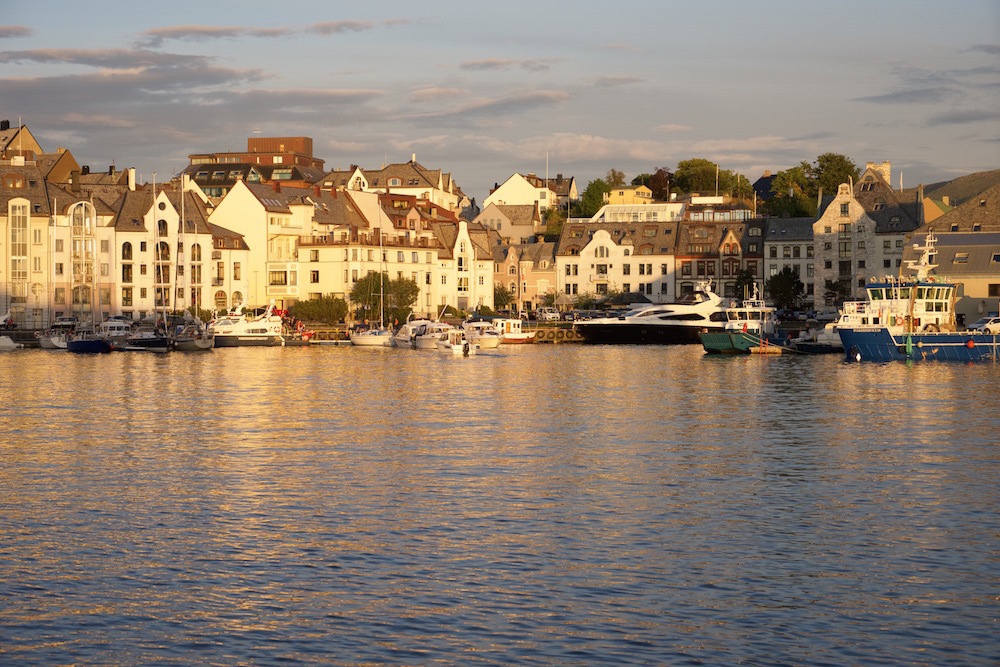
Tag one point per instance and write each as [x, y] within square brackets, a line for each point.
[541, 505]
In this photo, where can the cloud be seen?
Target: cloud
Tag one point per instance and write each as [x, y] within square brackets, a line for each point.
[334, 27]
[501, 64]
[496, 106]
[15, 31]
[436, 93]
[963, 117]
[609, 81]
[123, 59]
[989, 49]
[673, 127]
[911, 96]
[201, 33]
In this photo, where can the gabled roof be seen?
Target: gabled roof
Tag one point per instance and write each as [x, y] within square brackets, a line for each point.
[520, 214]
[882, 204]
[36, 194]
[961, 254]
[562, 185]
[795, 230]
[982, 211]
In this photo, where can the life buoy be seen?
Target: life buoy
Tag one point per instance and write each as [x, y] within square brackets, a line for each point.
[931, 327]
[560, 335]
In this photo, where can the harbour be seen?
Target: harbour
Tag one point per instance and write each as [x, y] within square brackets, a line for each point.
[538, 505]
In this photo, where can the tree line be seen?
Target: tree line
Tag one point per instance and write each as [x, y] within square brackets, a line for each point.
[794, 191]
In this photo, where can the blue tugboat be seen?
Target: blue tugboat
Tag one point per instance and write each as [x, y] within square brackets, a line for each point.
[913, 319]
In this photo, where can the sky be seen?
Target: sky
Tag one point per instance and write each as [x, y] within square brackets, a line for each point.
[484, 90]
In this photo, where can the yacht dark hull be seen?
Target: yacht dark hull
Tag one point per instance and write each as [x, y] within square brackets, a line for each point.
[248, 340]
[89, 345]
[625, 333]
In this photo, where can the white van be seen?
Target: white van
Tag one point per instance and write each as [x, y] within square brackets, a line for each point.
[548, 314]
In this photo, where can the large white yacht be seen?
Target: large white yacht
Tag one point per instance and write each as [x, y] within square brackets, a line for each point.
[661, 323]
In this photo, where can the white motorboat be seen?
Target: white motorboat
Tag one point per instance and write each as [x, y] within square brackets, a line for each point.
[512, 332]
[661, 323]
[193, 337]
[237, 329]
[483, 334]
[7, 343]
[377, 337]
[455, 342]
[420, 334]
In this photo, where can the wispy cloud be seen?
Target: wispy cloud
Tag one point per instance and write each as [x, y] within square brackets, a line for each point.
[989, 49]
[610, 81]
[496, 106]
[437, 93]
[964, 117]
[124, 59]
[673, 127]
[15, 31]
[539, 65]
[203, 33]
[911, 96]
[335, 27]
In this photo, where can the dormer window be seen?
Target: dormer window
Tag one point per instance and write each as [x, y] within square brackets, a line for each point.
[879, 204]
[395, 182]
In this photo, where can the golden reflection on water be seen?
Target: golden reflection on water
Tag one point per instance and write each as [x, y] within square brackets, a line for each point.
[563, 503]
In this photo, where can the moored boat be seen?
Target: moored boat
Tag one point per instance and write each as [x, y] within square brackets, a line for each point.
[512, 332]
[237, 329]
[751, 327]
[87, 341]
[483, 334]
[913, 318]
[661, 323]
[454, 342]
[147, 339]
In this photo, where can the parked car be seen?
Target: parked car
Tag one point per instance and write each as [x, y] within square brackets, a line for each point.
[987, 325]
[548, 314]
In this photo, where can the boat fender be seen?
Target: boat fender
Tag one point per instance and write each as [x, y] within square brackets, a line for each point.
[970, 343]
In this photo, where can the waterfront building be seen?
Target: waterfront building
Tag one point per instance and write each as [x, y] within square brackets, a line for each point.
[628, 195]
[968, 252]
[528, 271]
[652, 212]
[788, 242]
[514, 223]
[409, 178]
[523, 190]
[859, 235]
[604, 258]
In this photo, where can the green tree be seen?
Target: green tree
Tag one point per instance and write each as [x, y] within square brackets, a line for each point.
[836, 291]
[794, 193]
[586, 301]
[399, 299]
[554, 219]
[658, 182]
[367, 296]
[615, 178]
[592, 198]
[502, 297]
[785, 288]
[328, 310]
[696, 175]
[830, 171]
[745, 280]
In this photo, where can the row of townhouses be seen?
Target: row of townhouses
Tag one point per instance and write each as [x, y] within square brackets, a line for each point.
[271, 225]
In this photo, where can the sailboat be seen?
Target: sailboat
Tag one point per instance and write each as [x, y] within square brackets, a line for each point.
[154, 338]
[86, 338]
[379, 336]
[193, 335]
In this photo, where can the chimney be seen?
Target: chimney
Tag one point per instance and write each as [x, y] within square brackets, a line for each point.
[413, 157]
[131, 179]
[277, 186]
[4, 125]
[86, 169]
[74, 181]
[317, 191]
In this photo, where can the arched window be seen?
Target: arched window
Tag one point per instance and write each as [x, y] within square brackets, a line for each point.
[512, 270]
[601, 252]
[196, 252]
[161, 228]
[126, 251]
[163, 251]
[220, 300]
[237, 298]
